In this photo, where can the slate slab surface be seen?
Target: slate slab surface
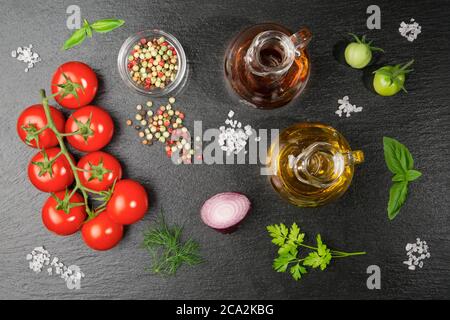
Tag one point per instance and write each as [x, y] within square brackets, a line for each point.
[239, 265]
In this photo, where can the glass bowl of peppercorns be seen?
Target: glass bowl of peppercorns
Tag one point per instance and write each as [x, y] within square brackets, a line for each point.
[153, 63]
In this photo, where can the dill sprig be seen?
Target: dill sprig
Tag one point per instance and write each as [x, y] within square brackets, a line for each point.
[167, 250]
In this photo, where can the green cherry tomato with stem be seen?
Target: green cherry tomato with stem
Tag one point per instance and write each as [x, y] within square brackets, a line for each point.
[389, 80]
[358, 54]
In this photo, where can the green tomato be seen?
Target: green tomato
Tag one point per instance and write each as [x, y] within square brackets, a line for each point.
[389, 80]
[384, 84]
[358, 55]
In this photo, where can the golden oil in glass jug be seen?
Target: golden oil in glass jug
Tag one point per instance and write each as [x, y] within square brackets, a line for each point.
[267, 65]
[312, 164]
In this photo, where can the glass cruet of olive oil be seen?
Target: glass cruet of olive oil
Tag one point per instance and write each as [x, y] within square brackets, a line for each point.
[312, 164]
[267, 65]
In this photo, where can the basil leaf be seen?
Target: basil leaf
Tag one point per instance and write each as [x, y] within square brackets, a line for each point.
[88, 28]
[399, 177]
[397, 156]
[106, 25]
[75, 39]
[412, 175]
[397, 197]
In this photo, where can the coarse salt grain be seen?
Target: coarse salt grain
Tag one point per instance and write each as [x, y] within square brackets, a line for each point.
[233, 138]
[416, 252]
[410, 30]
[345, 107]
[39, 257]
[26, 55]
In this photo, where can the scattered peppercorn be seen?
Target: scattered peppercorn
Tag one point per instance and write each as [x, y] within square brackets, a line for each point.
[153, 64]
[166, 126]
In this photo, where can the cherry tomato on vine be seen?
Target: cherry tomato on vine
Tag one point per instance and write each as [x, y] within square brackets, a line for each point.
[101, 233]
[100, 170]
[76, 84]
[95, 128]
[128, 203]
[63, 215]
[49, 171]
[33, 119]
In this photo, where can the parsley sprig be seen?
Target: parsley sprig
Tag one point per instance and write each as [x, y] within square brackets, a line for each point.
[290, 241]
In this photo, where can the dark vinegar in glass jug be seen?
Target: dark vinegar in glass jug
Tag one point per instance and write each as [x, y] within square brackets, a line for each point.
[267, 65]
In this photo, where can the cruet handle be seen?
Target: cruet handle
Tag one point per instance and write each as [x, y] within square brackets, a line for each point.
[301, 39]
[356, 157]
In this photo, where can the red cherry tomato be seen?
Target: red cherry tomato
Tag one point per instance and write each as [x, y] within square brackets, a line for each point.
[128, 203]
[49, 174]
[96, 126]
[101, 233]
[100, 170]
[62, 222]
[79, 80]
[32, 119]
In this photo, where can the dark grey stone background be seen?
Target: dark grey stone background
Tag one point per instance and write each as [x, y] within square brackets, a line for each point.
[239, 265]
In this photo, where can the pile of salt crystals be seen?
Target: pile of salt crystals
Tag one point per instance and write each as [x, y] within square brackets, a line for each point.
[26, 55]
[416, 253]
[345, 107]
[40, 258]
[410, 30]
[233, 138]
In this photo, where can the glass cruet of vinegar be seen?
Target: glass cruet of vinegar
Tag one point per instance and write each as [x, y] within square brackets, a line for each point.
[312, 164]
[267, 65]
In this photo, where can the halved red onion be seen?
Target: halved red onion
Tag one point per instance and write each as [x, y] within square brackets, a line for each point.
[225, 211]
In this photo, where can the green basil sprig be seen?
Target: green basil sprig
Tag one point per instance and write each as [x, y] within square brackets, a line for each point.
[100, 26]
[401, 163]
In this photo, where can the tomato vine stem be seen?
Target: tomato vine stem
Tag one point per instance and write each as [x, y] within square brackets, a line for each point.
[60, 137]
